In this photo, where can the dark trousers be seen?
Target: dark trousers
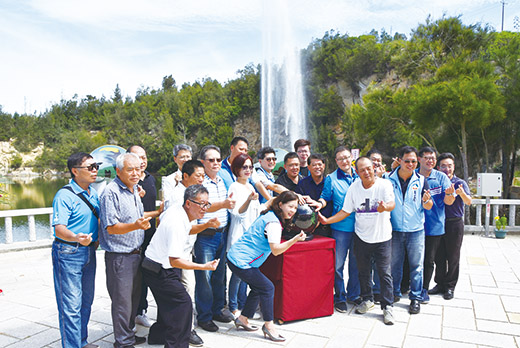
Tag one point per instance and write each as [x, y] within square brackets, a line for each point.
[262, 292]
[143, 302]
[381, 254]
[124, 287]
[431, 245]
[174, 309]
[448, 255]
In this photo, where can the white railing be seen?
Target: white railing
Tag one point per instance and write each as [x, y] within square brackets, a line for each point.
[30, 213]
[477, 222]
[491, 209]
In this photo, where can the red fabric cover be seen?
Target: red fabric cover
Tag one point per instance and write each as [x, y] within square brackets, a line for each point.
[303, 277]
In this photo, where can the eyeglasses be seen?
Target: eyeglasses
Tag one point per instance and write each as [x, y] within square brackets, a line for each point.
[410, 161]
[203, 205]
[213, 160]
[270, 159]
[90, 167]
[247, 167]
[341, 159]
[429, 158]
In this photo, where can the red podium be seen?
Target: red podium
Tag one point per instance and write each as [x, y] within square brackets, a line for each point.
[303, 277]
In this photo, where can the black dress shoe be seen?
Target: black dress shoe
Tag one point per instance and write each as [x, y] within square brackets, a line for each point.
[448, 295]
[195, 340]
[223, 318]
[436, 290]
[139, 340]
[208, 326]
[415, 307]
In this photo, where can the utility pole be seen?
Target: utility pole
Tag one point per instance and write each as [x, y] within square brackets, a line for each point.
[503, 5]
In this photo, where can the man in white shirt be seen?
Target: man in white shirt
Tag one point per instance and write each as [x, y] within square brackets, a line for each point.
[162, 265]
[372, 199]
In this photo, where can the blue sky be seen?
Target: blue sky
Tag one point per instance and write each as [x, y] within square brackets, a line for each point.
[53, 49]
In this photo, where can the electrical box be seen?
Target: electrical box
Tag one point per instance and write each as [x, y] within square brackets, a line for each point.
[489, 184]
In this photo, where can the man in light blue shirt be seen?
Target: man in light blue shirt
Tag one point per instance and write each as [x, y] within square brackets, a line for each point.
[74, 249]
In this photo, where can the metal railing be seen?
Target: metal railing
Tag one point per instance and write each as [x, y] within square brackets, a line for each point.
[477, 222]
[30, 213]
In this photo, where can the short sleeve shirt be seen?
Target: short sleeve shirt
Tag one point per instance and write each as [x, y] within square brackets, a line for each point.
[69, 210]
[370, 225]
[171, 237]
[119, 205]
[457, 208]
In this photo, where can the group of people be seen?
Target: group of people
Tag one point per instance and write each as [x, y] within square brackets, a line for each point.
[225, 213]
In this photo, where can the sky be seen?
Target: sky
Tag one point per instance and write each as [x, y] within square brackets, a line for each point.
[51, 50]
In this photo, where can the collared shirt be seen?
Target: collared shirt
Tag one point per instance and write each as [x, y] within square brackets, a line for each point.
[438, 182]
[334, 191]
[69, 210]
[119, 205]
[150, 198]
[171, 237]
[217, 193]
[307, 186]
[457, 208]
[286, 182]
[169, 183]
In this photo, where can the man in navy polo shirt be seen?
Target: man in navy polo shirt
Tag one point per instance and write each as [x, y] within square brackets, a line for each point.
[448, 254]
[74, 250]
[411, 198]
[441, 192]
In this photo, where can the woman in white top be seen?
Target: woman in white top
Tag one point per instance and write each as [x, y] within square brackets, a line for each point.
[247, 209]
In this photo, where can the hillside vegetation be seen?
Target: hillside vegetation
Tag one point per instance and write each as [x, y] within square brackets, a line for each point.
[449, 85]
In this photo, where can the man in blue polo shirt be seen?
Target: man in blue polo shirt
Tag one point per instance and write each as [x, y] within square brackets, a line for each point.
[411, 198]
[74, 250]
[334, 191]
[441, 192]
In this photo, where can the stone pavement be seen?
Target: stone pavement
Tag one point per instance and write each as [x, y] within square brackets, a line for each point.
[484, 313]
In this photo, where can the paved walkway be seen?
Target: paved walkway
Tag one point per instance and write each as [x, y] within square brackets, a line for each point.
[484, 313]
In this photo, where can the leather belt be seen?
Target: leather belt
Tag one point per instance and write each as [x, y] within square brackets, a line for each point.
[213, 231]
[75, 244]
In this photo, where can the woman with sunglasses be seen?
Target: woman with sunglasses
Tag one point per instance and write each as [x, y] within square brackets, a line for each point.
[250, 252]
[245, 212]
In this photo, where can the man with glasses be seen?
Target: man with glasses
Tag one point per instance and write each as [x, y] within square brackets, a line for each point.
[442, 194]
[75, 222]
[164, 261]
[267, 159]
[123, 222]
[290, 178]
[334, 191]
[210, 287]
[448, 254]
[303, 148]
[411, 198]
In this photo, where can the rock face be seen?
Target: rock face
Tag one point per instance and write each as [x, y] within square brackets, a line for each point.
[8, 153]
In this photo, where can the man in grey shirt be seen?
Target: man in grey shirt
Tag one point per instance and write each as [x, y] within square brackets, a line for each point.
[123, 222]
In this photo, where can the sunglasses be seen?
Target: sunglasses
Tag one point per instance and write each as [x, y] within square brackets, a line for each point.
[410, 161]
[91, 167]
[247, 167]
[270, 159]
[213, 160]
[201, 204]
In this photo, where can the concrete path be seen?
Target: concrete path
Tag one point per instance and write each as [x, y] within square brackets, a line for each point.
[484, 313]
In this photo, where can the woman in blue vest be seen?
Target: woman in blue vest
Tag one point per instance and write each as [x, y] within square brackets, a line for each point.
[249, 253]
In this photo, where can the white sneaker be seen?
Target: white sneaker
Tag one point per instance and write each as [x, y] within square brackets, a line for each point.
[143, 320]
[364, 307]
[388, 316]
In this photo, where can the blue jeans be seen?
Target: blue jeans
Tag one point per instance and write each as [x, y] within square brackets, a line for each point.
[344, 246]
[262, 292]
[237, 293]
[74, 270]
[210, 286]
[413, 243]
